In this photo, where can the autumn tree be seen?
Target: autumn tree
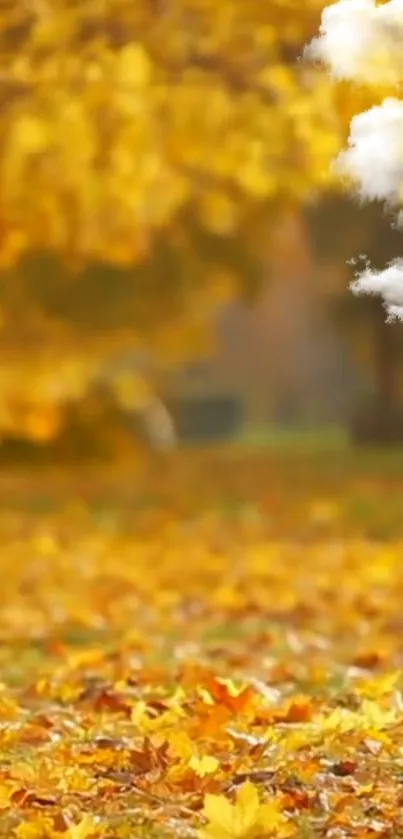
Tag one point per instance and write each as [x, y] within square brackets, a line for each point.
[145, 149]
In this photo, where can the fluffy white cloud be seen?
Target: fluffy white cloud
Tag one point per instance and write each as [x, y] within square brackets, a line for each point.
[361, 41]
[388, 284]
[374, 157]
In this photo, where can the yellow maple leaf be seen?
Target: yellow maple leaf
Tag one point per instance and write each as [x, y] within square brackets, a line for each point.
[370, 716]
[379, 685]
[88, 826]
[377, 717]
[145, 722]
[245, 819]
[181, 746]
[42, 829]
[205, 765]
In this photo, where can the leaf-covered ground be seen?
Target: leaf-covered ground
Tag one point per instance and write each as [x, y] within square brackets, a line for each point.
[213, 648]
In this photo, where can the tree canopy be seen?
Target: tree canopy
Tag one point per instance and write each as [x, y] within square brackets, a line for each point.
[141, 146]
[116, 115]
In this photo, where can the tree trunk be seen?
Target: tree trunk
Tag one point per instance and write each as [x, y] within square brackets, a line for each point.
[384, 358]
[380, 419]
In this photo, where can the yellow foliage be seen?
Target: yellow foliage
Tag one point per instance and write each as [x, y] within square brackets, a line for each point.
[124, 708]
[131, 121]
[125, 116]
[370, 716]
[246, 819]
[41, 828]
[205, 765]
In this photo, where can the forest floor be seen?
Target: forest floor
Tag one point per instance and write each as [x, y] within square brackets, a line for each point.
[210, 645]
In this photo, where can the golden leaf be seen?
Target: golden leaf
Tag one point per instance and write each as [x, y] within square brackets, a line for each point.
[180, 745]
[245, 819]
[379, 686]
[205, 765]
[88, 826]
[38, 829]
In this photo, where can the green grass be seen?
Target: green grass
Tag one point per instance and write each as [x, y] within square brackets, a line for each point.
[323, 445]
[308, 439]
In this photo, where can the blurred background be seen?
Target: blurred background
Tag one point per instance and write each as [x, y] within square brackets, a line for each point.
[172, 273]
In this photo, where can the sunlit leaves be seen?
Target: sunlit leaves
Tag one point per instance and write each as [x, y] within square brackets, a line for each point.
[124, 124]
[246, 819]
[43, 828]
[135, 701]
[109, 117]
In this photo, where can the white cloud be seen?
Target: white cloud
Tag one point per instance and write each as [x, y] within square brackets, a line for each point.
[388, 284]
[361, 41]
[374, 157]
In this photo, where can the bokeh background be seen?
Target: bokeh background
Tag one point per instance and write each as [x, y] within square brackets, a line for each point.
[173, 239]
